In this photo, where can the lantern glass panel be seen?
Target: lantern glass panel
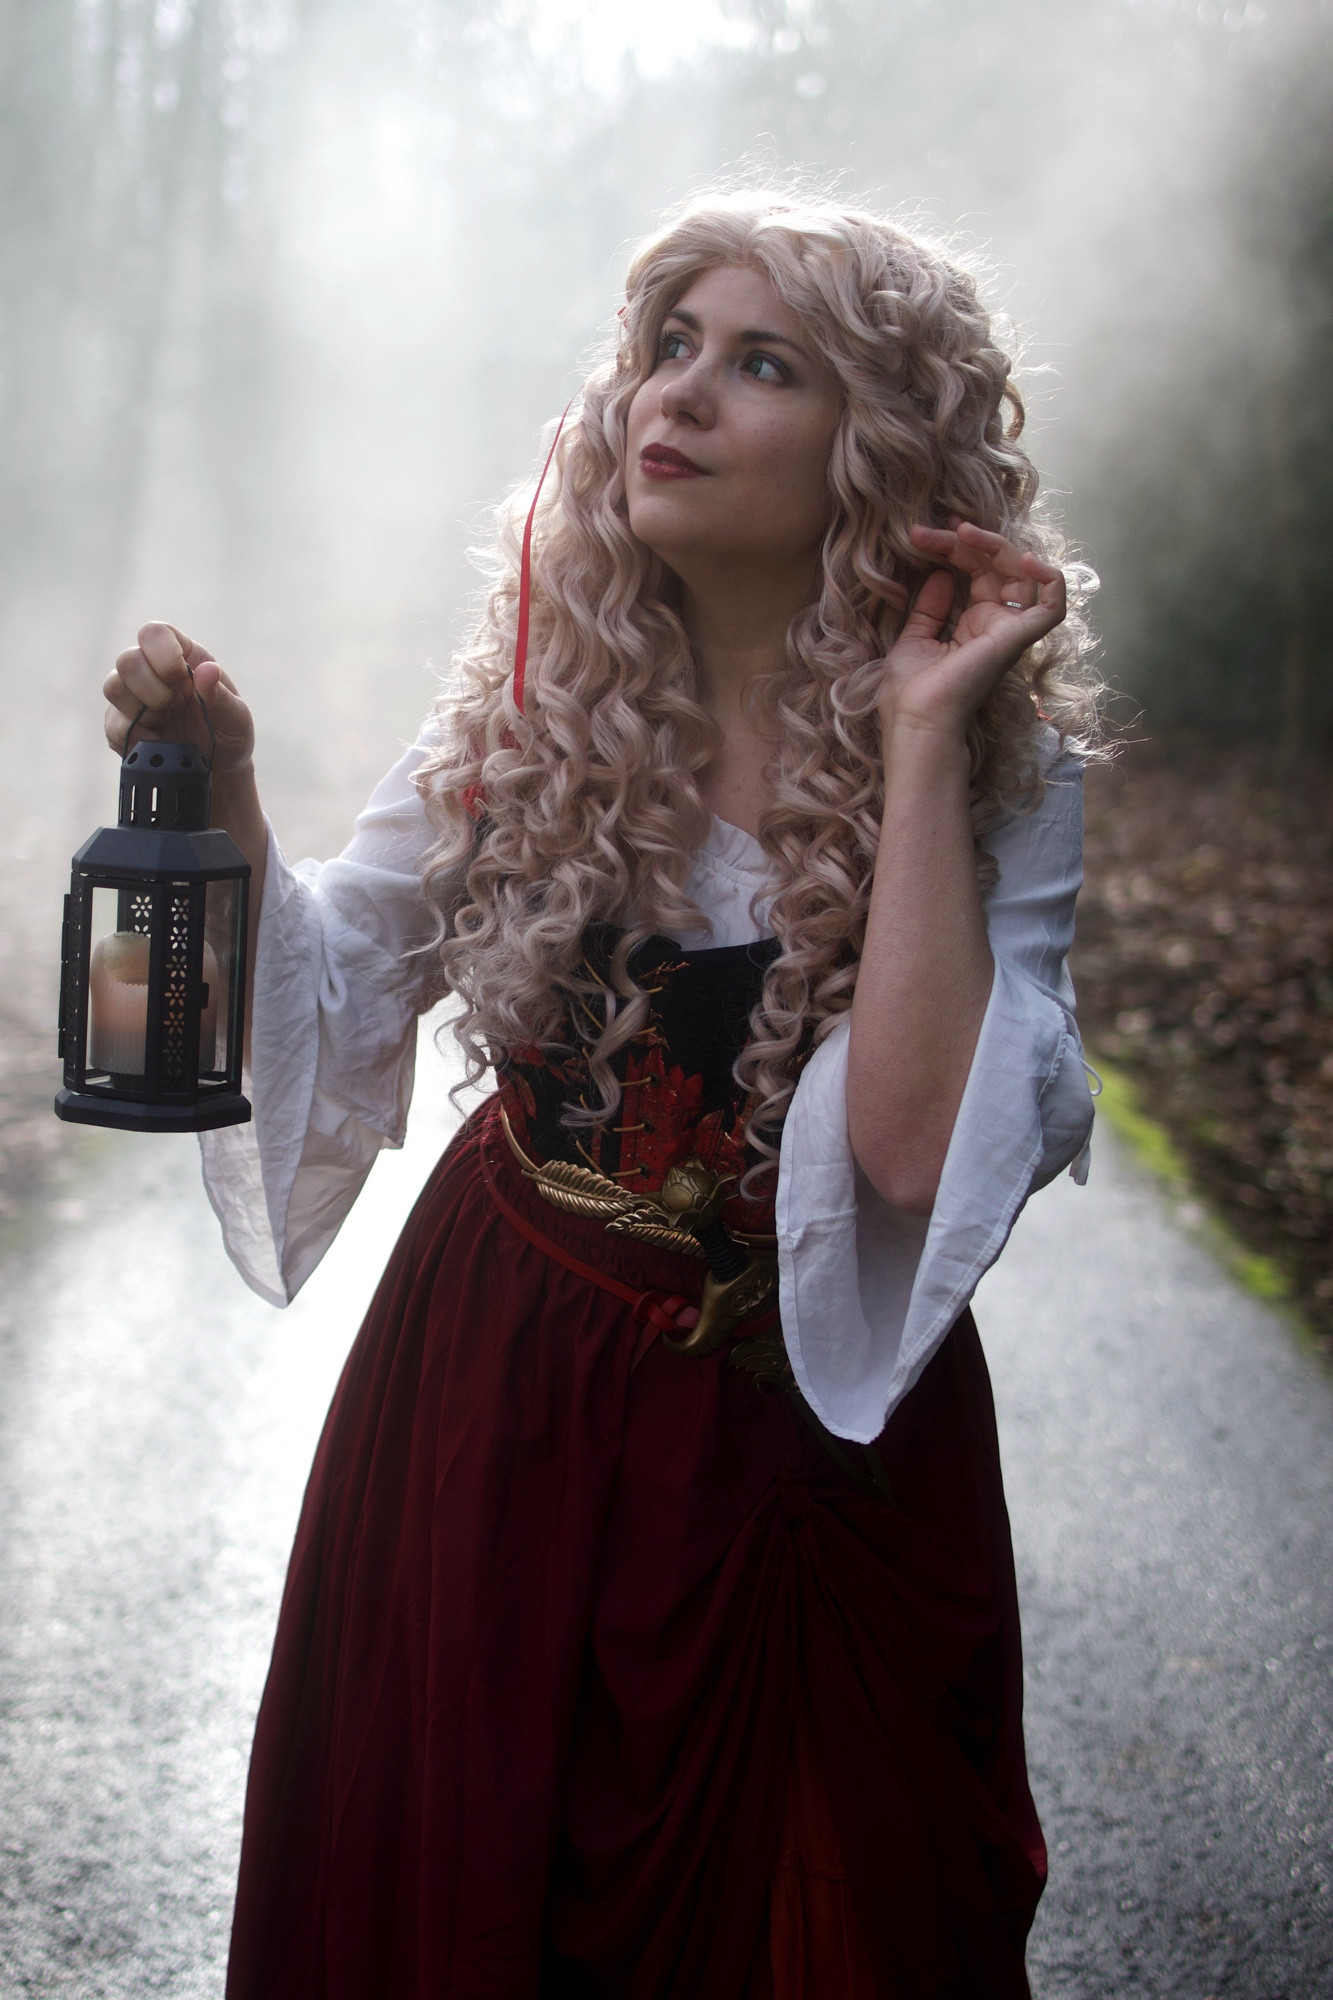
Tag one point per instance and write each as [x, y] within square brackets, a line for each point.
[118, 982]
[222, 910]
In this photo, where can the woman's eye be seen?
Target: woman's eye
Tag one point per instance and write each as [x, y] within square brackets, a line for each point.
[673, 346]
[764, 368]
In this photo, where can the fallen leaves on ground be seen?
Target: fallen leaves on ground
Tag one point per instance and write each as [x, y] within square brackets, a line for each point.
[1204, 967]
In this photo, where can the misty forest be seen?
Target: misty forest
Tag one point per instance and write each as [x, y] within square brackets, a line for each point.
[291, 295]
[290, 288]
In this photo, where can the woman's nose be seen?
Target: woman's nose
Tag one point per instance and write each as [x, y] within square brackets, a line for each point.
[687, 398]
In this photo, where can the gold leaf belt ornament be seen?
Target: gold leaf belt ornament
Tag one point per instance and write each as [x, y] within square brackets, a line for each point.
[685, 1217]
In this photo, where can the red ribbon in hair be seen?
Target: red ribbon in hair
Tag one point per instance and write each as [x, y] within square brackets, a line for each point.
[474, 797]
[525, 575]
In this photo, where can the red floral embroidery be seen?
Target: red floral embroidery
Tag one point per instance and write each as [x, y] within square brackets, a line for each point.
[669, 1106]
[668, 1110]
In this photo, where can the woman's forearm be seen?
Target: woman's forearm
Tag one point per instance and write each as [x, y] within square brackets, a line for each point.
[925, 973]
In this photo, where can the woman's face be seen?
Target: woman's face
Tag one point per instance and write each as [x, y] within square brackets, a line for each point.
[728, 439]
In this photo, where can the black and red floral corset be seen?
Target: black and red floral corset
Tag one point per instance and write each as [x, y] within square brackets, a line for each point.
[678, 1094]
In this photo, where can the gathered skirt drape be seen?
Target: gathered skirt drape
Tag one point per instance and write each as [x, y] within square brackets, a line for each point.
[596, 1676]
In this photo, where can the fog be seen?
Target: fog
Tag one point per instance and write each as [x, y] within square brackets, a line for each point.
[289, 288]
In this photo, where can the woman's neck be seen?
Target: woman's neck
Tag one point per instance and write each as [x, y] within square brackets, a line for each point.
[739, 634]
[738, 629]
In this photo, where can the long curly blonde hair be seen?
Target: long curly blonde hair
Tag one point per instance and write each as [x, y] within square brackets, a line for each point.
[585, 806]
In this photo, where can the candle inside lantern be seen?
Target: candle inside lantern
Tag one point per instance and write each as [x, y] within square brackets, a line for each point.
[208, 1013]
[118, 1003]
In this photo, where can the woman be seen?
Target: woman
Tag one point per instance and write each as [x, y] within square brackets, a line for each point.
[651, 1626]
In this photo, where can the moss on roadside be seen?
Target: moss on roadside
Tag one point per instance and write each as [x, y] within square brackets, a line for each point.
[1120, 1103]
[1123, 1102]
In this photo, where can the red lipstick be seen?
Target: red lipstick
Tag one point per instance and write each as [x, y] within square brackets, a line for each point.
[662, 461]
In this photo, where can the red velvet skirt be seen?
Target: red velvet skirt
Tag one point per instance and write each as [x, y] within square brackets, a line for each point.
[602, 1679]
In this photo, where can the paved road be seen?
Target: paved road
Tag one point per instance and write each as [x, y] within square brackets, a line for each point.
[1170, 1463]
[1169, 1458]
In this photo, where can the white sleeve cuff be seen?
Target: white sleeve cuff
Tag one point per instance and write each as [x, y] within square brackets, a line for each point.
[332, 1059]
[867, 1292]
[249, 1169]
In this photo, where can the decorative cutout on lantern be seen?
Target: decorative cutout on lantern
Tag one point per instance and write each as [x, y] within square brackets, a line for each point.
[152, 976]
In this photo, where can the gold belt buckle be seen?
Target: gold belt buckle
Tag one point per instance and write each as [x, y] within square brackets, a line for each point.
[741, 1277]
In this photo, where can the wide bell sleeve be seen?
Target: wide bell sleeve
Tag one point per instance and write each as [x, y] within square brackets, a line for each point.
[337, 993]
[867, 1291]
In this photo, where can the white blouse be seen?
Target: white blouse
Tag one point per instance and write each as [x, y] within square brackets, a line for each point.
[867, 1292]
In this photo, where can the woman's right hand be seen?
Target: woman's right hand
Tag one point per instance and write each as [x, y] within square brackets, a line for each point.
[155, 676]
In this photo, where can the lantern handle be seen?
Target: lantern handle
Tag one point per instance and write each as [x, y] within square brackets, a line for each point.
[203, 710]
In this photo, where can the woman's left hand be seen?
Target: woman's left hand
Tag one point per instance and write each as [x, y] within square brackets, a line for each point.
[938, 682]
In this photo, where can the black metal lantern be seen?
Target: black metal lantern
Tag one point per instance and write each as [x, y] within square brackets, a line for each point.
[152, 976]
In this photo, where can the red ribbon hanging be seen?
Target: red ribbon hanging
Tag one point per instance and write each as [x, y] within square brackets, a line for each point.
[525, 575]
